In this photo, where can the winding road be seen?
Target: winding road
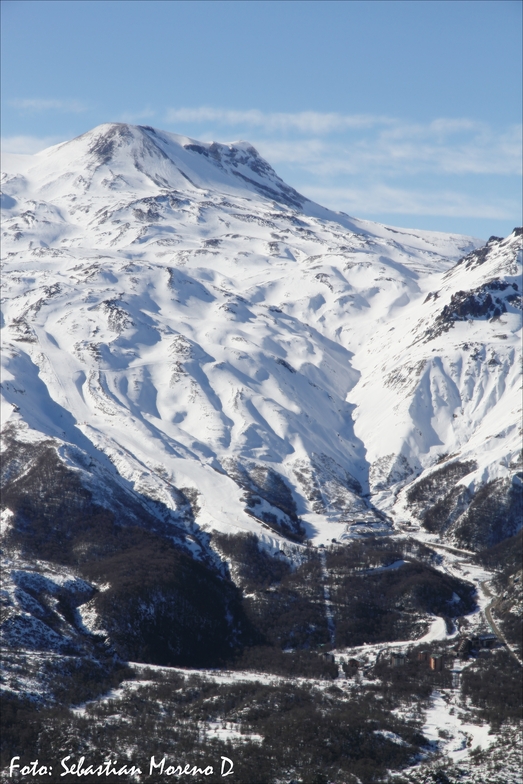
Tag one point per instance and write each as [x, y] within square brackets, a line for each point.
[492, 623]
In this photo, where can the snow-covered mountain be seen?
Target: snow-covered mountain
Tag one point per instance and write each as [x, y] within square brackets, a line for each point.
[183, 326]
[201, 369]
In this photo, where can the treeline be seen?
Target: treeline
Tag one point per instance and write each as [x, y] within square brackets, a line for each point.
[164, 607]
[301, 733]
[372, 607]
[504, 557]
[256, 569]
[291, 664]
[284, 606]
[377, 551]
[365, 553]
[494, 685]
[161, 605]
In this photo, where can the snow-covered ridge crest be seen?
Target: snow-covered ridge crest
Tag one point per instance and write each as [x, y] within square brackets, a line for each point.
[174, 306]
[121, 157]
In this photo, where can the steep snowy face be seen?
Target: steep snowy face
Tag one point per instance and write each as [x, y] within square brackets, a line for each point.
[447, 370]
[173, 308]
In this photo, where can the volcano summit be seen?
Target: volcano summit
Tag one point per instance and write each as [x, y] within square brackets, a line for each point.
[174, 309]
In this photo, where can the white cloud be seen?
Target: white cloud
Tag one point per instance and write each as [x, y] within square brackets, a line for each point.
[387, 155]
[453, 147]
[387, 146]
[28, 145]
[304, 122]
[380, 199]
[48, 104]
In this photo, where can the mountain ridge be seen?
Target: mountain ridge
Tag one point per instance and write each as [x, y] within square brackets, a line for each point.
[295, 301]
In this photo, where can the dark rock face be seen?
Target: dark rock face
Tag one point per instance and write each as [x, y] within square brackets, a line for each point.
[231, 157]
[481, 302]
[479, 256]
[104, 147]
[486, 302]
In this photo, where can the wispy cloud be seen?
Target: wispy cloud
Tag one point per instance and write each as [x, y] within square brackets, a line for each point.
[48, 105]
[450, 146]
[303, 122]
[28, 145]
[401, 153]
[327, 144]
[381, 199]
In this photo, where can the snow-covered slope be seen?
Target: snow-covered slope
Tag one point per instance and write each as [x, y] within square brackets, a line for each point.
[178, 315]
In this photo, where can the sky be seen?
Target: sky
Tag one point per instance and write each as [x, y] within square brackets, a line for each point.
[407, 113]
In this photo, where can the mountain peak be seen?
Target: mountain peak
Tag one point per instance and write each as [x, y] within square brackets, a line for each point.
[141, 154]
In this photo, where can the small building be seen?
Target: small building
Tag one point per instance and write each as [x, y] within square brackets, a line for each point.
[397, 659]
[456, 678]
[436, 662]
[423, 655]
[487, 640]
[464, 648]
[329, 657]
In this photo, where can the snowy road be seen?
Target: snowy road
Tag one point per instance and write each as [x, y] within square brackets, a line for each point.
[494, 627]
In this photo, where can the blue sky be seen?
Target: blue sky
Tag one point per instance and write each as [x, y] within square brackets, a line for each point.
[408, 113]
